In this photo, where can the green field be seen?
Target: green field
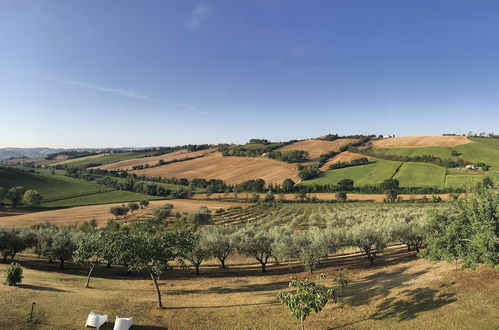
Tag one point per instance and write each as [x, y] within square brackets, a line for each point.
[114, 196]
[442, 152]
[484, 150]
[370, 174]
[413, 174]
[59, 190]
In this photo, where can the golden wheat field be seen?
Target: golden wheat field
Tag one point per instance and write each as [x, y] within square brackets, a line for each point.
[229, 169]
[421, 141]
[78, 214]
[342, 157]
[315, 148]
[125, 165]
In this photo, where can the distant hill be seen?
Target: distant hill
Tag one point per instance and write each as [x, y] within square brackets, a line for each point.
[6, 153]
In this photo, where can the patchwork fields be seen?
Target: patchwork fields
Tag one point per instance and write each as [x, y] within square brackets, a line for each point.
[315, 148]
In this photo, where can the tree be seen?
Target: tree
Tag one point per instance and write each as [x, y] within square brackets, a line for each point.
[57, 243]
[269, 197]
[412, 233]
[14, 274]
[162, 212]
[153, 253]
[254, 198]
[144, 203]
[198, 253]
[488, 182]
[201, 216]
[90, 250]
[218, 243]
[3, 192]
[32, 198]
[342, 279]
[306, 298]
[15, 195]
[288, 185]
[255, 243]
[118, 210]
[370, 238]
[341, 196]
[469, 231]
[13, 241]
[345, 185]
[132, 206]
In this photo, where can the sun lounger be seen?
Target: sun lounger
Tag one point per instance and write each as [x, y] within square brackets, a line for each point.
[95, 320]
[122, 323]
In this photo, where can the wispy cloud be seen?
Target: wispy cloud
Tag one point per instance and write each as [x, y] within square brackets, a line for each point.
[131, 93]
[198, 15]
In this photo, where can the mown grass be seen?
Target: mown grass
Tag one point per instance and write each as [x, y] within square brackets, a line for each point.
[442, 152]
[370, 174]
[413, 174]
[399, 292]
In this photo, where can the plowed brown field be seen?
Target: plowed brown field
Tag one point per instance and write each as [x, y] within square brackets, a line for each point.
[343, 157]
[129, 163]
[75, 215]
[315, 148]
[421, 141]
[229, 169]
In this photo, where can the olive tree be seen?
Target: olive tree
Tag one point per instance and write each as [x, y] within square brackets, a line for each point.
[199, 251]
[57, 243]
[254, 242]
[370, 238]
[119, 210]
[217, 240]
[201, 216]
[162, 212]
[32, 198]
[412, 233]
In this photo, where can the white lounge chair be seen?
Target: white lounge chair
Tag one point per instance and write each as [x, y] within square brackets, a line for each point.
[122, 323]
[95, 320]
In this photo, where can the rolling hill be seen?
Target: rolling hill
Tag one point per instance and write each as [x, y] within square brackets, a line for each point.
[315, 147]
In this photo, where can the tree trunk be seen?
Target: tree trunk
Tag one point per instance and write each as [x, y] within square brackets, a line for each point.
[13, 256]
[158, 292]
[263, 266]
[302, 324]
[108, 265]
[5, 258]
[88, 276]
[197, 269]
[62, 263]
[222, 262]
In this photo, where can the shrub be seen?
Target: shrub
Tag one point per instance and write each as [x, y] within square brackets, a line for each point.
[14, 274]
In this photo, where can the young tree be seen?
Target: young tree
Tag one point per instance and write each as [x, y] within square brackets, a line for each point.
[32, 198]
[307, 298]
[162, 212]
[255, 243]
[14, 274]
[201, 216]
[198, 253]
[15, 195]
[342, 279]
[218, 243]
[90, 250]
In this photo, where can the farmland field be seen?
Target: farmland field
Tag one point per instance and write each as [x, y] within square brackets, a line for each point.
[421, 141]
[77, 214]
[481, 150]
[176, 155]
[345, 157]
[442, 152]
[229, 169]
[362, 175]
[413, 174]
[104, 158]
[315, 148]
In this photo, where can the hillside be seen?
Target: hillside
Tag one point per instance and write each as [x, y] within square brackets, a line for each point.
[343, 157]
[229, 169]
[421, 141]
[315, 148]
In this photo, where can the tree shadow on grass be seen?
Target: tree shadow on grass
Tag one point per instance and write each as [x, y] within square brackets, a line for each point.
[40, 288]
[234, 289]
[224, 306]
[110, 325]
[411, 303]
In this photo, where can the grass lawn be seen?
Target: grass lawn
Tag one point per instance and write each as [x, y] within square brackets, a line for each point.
[399, 292]
[374, 173]
[442, 152]
[413, 174]
[458, 181]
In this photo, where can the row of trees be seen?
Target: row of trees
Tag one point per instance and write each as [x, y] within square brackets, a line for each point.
[21, 196]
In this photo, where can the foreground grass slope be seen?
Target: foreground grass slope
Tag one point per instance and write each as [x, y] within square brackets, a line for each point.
[400, 292]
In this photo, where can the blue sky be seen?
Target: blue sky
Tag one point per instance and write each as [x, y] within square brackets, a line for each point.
[94, 73]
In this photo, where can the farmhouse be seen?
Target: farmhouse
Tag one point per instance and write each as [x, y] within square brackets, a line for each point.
[471, 167]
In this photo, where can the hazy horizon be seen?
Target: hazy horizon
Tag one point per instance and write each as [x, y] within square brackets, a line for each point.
[85, 74]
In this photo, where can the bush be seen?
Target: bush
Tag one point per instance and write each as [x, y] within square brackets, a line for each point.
[14, 274]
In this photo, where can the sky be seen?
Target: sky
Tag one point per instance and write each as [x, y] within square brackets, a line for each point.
[93, 73]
